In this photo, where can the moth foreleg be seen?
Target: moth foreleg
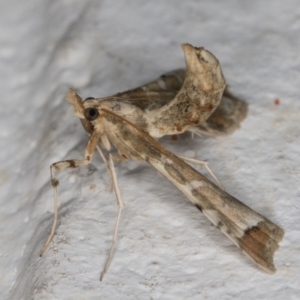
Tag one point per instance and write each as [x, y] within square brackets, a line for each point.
[64, 165]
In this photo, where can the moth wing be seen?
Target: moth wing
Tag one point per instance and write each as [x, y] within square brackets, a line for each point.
[256, 235]
[156, 93]
[224, 120]
[227, 117]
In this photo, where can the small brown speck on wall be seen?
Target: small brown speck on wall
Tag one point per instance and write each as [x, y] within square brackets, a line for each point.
[92, 186]
[277, 101]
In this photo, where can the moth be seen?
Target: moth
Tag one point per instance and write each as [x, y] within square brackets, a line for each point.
[133, 121]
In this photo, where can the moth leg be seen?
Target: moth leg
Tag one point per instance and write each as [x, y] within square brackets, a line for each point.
[111, 185]
[61, 166]
[121, 205]
[117, 158]
[199, 132]
[205, 164]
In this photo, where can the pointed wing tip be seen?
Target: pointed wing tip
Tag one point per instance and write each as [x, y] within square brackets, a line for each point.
[261, 242]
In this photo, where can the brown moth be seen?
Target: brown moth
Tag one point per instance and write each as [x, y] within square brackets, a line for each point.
[133, 124]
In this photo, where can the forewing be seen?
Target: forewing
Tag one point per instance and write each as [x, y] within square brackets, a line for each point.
[257, 236]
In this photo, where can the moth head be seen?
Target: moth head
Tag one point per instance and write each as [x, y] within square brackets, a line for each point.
[91, 113]
[83, 109]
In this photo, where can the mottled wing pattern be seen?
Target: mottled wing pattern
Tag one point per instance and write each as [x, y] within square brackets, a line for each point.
[224, 120]
[256, 235]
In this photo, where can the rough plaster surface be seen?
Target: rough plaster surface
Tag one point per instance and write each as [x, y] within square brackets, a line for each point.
[166, 248]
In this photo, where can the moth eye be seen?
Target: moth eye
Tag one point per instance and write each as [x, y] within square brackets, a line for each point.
[91, 113]
[89, 98]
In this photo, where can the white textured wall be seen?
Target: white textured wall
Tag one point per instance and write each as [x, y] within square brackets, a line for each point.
[166, 248]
